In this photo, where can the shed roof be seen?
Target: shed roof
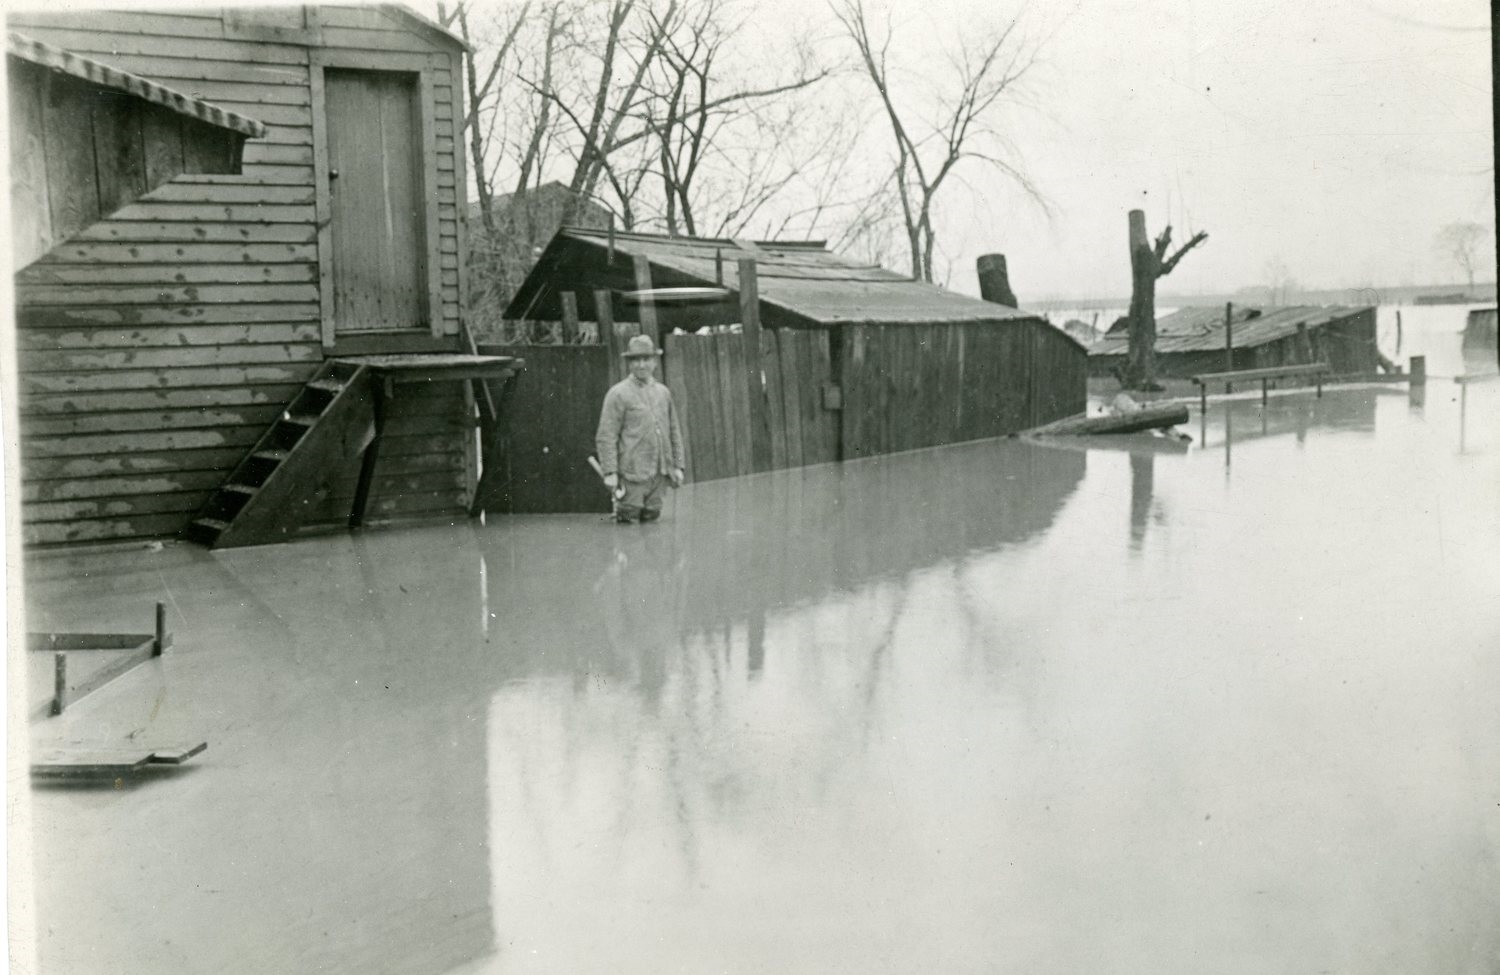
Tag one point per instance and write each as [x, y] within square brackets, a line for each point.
[1202, 329]
[802, 277]
[57, 59]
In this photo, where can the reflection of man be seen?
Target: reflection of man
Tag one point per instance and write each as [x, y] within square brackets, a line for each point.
[639, 442]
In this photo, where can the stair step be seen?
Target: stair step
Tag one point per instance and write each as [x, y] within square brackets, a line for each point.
[212, 524]
[330, 384]
[240, 488]
[275, 455]
[304, 420]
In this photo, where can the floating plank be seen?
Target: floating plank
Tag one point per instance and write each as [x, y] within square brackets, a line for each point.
[1147, 418]
[107, 759]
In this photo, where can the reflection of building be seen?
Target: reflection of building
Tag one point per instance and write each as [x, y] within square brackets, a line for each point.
[1191, 340]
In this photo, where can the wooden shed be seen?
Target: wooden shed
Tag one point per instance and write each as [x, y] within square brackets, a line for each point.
[213, 291]
[1191, 341]
[911, 364]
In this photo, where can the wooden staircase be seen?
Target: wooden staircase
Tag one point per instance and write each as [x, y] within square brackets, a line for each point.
[266, 498]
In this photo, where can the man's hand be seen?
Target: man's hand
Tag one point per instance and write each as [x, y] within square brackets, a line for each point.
[611, 481]
[677, 477]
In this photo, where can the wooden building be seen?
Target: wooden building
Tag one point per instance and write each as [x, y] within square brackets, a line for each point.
[166, 326]
[908, 364]
[1191, 341]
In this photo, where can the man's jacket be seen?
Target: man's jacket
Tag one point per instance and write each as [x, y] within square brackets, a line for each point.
[638, 435]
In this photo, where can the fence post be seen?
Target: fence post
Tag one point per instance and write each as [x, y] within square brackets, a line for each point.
[1229, 336]
[1418, 369]
[604, 314]
[647, 305]
[760, 430]
[569, 317]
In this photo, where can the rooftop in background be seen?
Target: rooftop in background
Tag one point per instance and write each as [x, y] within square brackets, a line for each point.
[803, 278]
[1202, 329]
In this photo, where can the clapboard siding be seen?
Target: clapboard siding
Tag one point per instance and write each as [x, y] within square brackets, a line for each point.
[156, 345]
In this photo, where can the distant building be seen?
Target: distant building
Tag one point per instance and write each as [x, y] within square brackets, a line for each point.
[1191, 340]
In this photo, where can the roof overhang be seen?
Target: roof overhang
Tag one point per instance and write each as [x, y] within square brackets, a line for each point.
[66, 62]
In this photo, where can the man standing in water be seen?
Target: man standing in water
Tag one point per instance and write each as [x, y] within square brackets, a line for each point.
[639, 442]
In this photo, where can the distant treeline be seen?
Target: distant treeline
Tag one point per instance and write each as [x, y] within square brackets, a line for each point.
[1395, 295]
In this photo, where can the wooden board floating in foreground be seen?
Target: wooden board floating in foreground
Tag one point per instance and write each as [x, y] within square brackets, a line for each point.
[77, 759]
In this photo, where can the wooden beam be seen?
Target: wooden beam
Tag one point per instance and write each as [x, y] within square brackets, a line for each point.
[755, 388]
[649, 326]
[569, 317]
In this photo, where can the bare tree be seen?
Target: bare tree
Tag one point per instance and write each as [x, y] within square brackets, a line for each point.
[698, 127]
[481, 94]
[1461, 243]
[928, 148]
[1148, 262]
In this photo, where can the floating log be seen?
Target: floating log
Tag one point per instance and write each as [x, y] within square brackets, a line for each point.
[1147, 418]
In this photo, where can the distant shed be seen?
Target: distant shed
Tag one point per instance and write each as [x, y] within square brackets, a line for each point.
[163, 325]
[1190, 341]
[916, 365]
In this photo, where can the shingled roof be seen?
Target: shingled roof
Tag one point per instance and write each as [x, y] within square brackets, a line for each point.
[804, 278]
[1202, 329]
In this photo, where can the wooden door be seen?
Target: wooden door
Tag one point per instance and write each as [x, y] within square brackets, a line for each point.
[376, 199]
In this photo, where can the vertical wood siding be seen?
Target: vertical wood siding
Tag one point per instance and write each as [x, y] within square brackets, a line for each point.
[156, 344]
[911, 386]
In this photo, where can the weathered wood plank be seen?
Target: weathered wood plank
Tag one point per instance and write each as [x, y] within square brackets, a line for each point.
[166, 275]
[129, 443]
[155, 399]
[205, 213]
[117, 529]
[73, 190]
[769, 364]
[789, 377]
[166, 25]
[199, 190]
[108, 487]
[259, 152]
[166, 358]
[274, 81]
[80, 316]
[31, 208]
[258, 417]
[154, 379]
[360, 39]
[171, 257]
[157, 232]
[143, 462]
[119, 154]
[107, 45]
[257, 174]
[184, 503]
[167, 336]
[45, 294]
[161, 138]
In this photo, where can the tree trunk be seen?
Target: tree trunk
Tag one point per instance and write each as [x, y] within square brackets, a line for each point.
[1140, 361]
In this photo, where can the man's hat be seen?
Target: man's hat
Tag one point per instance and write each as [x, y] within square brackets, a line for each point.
[640, 347]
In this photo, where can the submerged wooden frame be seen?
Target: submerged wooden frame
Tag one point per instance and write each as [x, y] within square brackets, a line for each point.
[141, 647]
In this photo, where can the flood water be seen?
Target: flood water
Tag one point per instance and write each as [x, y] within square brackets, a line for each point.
[995, 707]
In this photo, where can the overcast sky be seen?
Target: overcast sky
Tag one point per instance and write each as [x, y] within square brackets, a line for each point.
[1336, 137]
